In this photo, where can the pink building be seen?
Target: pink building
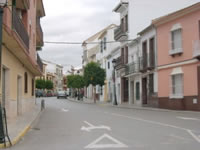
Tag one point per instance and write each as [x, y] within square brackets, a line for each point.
[178, 45]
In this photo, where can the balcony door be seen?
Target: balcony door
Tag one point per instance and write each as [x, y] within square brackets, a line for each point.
[144, 53]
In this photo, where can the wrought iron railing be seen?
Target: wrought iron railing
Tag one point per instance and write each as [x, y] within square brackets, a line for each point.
[40, 32]
[132, 68]
[119, 32]
[39, 62]
[19, 27]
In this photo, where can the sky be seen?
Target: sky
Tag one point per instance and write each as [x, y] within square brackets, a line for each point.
[77, 20]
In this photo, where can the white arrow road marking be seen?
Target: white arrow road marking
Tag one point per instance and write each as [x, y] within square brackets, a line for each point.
[186, 118]
[65, 110]
[95, 145]
[92, 127]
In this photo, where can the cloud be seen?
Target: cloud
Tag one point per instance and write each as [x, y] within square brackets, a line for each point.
[76, 20]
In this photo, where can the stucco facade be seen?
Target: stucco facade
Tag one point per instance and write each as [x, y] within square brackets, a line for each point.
[178, 75]
[20, 61]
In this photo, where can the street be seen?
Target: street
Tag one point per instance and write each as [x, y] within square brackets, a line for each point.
[68, 125]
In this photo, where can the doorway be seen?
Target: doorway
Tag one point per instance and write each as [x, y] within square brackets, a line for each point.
[144, 91]
[5, 83]
[132, 92]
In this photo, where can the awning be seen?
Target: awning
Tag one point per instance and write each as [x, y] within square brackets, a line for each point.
[177, 71]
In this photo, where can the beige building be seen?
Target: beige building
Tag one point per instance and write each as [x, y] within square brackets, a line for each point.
[22, 33]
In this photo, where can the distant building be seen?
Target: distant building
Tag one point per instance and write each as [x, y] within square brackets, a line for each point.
[55, 73]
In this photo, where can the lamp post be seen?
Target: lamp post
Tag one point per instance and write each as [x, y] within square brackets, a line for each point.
[3, 3]
[115, 97]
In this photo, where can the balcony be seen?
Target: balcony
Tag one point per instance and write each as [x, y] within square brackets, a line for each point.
[196, 49]
[132, 68]
[39, 62]
[143, 64]
[120, 34]
[119, 63]
[40, 36]
[20, 29]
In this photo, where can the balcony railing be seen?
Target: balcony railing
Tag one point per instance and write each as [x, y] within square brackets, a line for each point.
[143, 64]
[196, 49]
[40, 33]
[119, 63]
[132, 68]
[19, 27]
[39, 62]
[120, 34]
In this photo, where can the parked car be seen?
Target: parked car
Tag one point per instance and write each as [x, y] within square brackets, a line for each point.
[61, 94]
[39, 93]
[49, 94]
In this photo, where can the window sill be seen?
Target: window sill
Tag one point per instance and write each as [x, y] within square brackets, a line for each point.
[176, 97]
[176, 51]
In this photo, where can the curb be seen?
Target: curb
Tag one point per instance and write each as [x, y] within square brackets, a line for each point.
[22, 133]
[137, 108]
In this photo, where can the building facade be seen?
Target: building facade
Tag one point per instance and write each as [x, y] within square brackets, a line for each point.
[55, 73]
[22, 34]
[178, 46]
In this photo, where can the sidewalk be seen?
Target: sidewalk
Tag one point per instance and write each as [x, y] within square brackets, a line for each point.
[18, 127]
[129, 106]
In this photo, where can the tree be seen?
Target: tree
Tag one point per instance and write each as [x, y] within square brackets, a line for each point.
[40, 84]
[75, 82]
[95, 75]
[48, 85]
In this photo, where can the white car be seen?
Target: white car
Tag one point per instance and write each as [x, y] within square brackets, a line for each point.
[61, 94]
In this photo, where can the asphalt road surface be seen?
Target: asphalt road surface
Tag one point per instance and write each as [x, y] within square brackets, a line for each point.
[67, 125]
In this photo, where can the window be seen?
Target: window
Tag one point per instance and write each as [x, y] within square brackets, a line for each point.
[33, 86]
[126, 22]
[151, 52]
[138, 91]
[177, 86]
[104, 43]
[122, 25]
[199, 29]
[108, 65]
[101, 46]
[176, 41]
[122, 55]
[25, 82]
[126, 55]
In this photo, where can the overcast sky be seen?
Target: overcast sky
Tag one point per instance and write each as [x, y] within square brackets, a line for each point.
[76, 20]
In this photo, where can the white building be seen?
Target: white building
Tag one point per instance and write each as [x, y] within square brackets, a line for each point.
[106, 47]
[57, 71]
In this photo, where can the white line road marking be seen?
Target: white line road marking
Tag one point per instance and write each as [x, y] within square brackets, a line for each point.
[194, 136]
[65, 110]
[186, 118]
[161, 124]
[92, 127]
[95, 145]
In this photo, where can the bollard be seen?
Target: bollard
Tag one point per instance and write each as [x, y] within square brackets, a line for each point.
[42, 104]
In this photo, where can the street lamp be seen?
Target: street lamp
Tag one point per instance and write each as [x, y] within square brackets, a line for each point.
[115, 97]
[3, 3]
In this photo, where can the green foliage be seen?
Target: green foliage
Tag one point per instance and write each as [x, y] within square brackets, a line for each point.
[94, 74]
[40, 84]
[75, 81]
[49, 85]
